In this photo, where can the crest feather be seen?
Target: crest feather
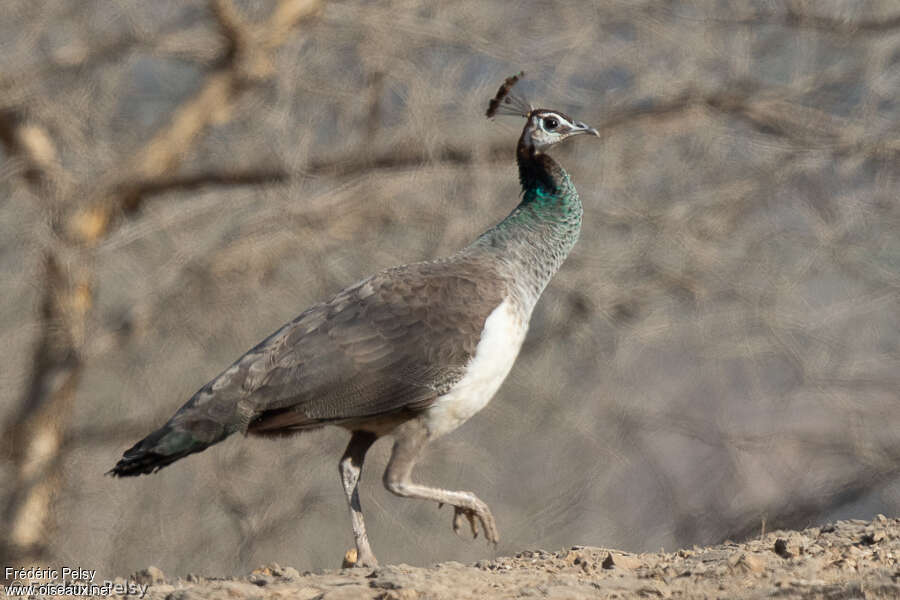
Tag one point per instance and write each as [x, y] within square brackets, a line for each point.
[507, 102]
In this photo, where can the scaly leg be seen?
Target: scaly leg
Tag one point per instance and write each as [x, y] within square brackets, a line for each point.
[351, 466]
[408, 443]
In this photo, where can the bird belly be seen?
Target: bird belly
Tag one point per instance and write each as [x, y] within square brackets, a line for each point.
[502, 336]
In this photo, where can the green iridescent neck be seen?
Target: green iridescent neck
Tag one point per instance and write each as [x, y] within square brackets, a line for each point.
[550, 204]
[547, 192]
[534, 240]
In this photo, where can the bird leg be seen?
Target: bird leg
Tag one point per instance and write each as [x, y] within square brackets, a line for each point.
[408, 443]
[351, 466]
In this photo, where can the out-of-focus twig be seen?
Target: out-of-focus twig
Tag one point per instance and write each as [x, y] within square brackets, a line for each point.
[247, 60]
[31, 144]
[792, 16]
[263, 175]
[35, 435]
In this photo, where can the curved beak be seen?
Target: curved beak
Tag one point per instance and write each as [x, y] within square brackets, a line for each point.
[585, 128]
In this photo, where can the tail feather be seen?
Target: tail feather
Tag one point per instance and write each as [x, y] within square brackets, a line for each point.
[163, 447]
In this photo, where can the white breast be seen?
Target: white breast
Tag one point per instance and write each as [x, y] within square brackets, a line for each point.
[501, 339]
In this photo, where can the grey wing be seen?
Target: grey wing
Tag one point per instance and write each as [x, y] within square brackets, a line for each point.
[397, 340]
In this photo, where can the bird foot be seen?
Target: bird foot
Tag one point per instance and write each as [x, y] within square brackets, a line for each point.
[474, 516]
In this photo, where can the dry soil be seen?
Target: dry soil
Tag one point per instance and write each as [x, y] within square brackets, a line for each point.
[846, 559]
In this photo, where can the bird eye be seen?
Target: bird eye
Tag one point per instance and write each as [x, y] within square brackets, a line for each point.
[550, 123]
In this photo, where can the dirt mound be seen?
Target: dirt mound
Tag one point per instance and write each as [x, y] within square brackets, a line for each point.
[847, 559]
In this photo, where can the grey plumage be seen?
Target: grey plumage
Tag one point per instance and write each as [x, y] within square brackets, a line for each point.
[372, 350]
[412, 351]
[376, 348]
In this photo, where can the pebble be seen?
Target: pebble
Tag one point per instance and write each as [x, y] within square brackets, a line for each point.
[150, 575]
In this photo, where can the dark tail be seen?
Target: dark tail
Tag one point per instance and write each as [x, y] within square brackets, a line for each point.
[166, 445]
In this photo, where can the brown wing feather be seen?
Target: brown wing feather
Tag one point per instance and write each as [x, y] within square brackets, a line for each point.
[397, 340]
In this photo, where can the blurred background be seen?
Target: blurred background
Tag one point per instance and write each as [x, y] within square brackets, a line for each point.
[719, 356]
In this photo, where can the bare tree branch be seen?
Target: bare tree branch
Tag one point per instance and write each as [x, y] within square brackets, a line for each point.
[138, 191]
[246, 61]
[793, 17]
[31, 143]
[35, 436]
[796, 18]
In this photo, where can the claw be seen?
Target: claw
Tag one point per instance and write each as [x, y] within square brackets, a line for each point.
[470, 516]
[473, 524]
[475, 516]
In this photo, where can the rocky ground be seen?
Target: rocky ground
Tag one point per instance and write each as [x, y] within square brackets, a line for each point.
[847, 559]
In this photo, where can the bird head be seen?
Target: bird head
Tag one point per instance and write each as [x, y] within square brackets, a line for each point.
[544, 128]
[548, 127]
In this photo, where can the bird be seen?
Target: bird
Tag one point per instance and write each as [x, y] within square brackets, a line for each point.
[411, 352]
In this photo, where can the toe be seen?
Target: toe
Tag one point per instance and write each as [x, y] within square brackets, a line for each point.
[457, 521]
[473, 523]
[490, 528]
